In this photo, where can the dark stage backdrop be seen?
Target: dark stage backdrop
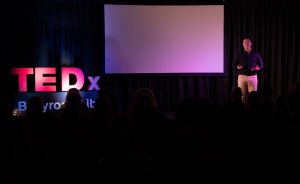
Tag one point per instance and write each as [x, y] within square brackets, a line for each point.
[70, 33]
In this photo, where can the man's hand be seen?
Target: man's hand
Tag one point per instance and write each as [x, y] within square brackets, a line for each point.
[239, 66]
[256, 68]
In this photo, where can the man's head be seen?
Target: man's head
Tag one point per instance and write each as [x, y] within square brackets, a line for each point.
[247, 44]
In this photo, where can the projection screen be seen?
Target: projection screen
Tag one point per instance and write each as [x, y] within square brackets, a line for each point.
[159, 39]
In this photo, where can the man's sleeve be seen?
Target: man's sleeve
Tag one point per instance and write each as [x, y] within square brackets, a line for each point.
[260, 62]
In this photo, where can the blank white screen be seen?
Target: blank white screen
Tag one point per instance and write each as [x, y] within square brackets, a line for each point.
[164, 39]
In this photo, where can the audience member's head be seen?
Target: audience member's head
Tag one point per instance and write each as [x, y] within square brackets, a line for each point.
[253, 102]
[73, 97]
[236, 94]
[145, 95]
[35, 105]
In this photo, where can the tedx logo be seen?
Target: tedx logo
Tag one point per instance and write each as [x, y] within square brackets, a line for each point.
[46, 79]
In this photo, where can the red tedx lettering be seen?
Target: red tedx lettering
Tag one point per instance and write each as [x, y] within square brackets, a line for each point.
[40, 79]
[47, 83]
[22, 77]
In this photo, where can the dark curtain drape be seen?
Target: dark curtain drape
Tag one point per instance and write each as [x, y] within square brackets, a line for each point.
[70, 32]
[170, 90]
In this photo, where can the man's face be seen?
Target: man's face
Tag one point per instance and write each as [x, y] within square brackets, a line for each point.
[247, 44]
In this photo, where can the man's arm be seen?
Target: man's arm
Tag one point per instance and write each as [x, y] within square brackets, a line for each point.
[260, 62]
[259, 65]
[236, 65]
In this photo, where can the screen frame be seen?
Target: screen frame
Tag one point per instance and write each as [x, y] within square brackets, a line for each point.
[162, 3]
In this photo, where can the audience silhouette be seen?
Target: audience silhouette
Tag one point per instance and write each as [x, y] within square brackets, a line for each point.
[241, 141]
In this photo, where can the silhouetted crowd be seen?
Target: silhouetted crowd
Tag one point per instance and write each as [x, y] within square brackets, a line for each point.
[256, 140]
